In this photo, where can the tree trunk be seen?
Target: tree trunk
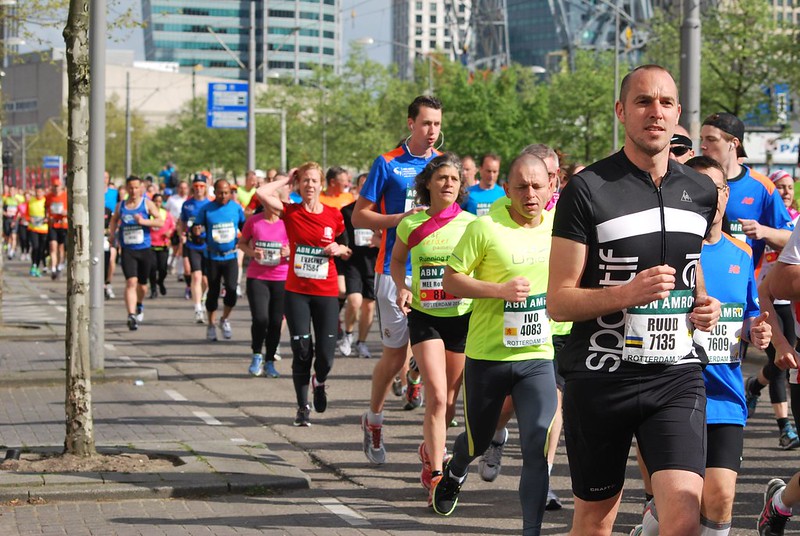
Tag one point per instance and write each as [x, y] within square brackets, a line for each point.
[80, 424]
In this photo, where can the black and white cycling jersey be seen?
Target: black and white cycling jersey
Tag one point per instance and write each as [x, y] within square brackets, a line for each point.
[629, 225]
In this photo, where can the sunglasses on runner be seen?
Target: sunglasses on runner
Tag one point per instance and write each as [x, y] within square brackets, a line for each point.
[679, 150]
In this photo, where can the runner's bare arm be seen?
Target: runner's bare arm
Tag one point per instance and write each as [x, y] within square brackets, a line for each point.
[365, 216]
[268, 193]
[567, 301]
[112, 228]
[707, 309]
[397, 267]
[155, 218]
[464, 286]
[785, 281]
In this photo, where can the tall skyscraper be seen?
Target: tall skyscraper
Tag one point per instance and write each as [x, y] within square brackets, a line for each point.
[544, 32]
[293, 35]
[424, 26]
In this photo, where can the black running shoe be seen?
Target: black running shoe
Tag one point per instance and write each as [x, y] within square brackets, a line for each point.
[445, 494]
[302, 418]
[320, 396]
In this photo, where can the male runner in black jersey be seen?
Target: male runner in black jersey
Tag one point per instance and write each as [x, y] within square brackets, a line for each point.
[624, 267]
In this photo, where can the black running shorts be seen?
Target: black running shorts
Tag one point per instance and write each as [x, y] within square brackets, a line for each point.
[452, 330]
[725, 446]
[665, 410]
[137, 263]
[196, 259]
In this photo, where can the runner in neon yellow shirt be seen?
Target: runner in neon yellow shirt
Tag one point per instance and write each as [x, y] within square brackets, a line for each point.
[437, 321]
[509, 347]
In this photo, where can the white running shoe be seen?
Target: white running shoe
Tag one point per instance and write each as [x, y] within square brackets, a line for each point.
[199, 316]
[363, 351]
[345, 344]
[225, 326]
[211, 333]
[373, 441]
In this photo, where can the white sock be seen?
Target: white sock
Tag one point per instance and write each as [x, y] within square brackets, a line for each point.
[549, 468]
[375, 419]
[777, 501]
[500, 436]
[650, 519]
[713, 528]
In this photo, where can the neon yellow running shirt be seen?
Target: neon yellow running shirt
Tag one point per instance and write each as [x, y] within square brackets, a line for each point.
[494, 248]
[428, 260]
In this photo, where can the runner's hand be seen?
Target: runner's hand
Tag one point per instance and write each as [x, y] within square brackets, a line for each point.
[760, 331]
[651, 284]
[786, 358]
[515, 290]
[404, 298]
[752, 229]
[706, 312]
[332, 250]
[258, 254]
[285, 250]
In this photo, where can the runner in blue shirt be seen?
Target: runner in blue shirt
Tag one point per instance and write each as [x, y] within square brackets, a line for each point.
[487, 191]
[221, 220]
[133, 219]
[386, 198]
[755, 211]
[194, 244]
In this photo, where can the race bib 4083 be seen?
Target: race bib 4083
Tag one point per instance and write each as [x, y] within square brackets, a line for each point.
[526, 323]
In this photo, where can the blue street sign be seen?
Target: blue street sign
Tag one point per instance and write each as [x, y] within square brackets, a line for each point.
[227, 105]
[52, 162]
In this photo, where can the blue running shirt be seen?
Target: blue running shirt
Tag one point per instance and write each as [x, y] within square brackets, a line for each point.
[728, 273]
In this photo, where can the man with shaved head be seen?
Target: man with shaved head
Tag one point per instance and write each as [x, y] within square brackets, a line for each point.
[502, 260]
[624, 268]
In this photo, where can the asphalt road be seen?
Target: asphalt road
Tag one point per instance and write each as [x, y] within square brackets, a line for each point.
[348, 495]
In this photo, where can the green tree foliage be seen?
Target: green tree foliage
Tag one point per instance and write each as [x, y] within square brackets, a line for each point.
[115, 138]
[744, 49]
[487, 112]
[580, 108]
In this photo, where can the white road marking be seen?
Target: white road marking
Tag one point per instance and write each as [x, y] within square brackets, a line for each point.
[43, 296]
[51, 302]
[61, 309]
[109, 346]
[238, 440]
[346, 513]
[175, 395]
[206, 418]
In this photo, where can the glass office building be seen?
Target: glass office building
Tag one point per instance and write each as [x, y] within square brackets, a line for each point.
[293, 35]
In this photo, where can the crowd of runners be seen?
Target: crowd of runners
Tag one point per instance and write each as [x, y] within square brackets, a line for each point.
[615, 301]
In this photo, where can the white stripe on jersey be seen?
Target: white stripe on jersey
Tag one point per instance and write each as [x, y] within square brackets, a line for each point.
[649, 221]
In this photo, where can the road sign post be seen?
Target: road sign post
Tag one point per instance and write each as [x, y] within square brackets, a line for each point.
[227, 105]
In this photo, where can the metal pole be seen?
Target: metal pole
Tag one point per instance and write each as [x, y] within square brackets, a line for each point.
[283, 141]
[690, 70]
[251, 91]
[25, 157]
[615, 145]
[97, 164]
[128, 162]
[264, 44]
[430, 74]
[194, 93]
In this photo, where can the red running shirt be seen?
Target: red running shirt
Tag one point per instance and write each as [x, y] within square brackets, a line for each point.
[311, 272]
